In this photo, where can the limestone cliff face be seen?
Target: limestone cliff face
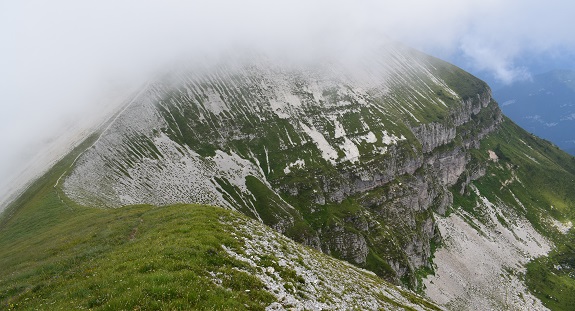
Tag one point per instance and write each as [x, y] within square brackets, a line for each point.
[433, 135]
[418, 185]
[354, 163]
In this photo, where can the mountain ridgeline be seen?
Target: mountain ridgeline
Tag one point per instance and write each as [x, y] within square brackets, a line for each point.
[397, 162]
[353, 163]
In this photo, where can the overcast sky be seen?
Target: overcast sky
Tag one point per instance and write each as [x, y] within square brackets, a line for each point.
[58, 58]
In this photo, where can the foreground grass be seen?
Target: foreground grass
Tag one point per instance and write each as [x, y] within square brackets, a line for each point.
[138, 257]
[59, 256]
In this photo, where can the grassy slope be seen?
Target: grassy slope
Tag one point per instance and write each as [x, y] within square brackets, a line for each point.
[58, 255]
[139, 257]
[542, 177]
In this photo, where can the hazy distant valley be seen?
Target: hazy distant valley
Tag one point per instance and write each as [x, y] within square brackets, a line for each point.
[544, 106]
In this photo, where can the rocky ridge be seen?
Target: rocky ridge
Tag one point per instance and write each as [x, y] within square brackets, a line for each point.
[352, 162]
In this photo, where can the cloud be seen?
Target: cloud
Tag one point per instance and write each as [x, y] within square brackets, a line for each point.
[504, 37]
[493, 36]
[498, 61]
[60, 57]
